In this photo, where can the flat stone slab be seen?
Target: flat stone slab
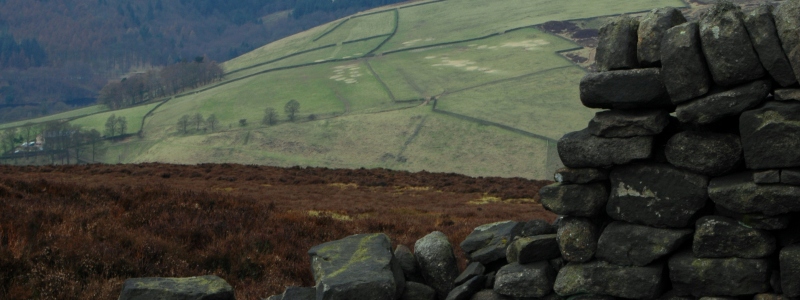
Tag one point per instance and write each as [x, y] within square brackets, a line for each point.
[628, 244]
[579, 200]
[628, 123]
[189, 288]
[527, 250]
[727, 47]
[599, 277]
[487, 243]
[699, 277]
[625, 89]
[616, 45]
[740, 194]
[581, 149]
[771, 135]
[721, 237]
[683, 65]
[756, 221]
[786, 94]
[720, 103]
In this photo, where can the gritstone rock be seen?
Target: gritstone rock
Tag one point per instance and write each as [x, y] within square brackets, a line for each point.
[673, 295]
[526, 250]
[706, 153]
[770, 297]
[757, 221]
[577, 239]
[738, 192]
[473, 269]
[658, 195]
[275, 297]
[469, 288]
[489, 295]
[580, 149]
[628, 244]
[683, 65]
[727, 47]
[200, 288]
[418, 291]
[786, 94]
[651, 30]
[299, 293]
[616, 46]
[766, 177]
[788, 25]
[487, 243]
[580, 200]
[790, 176]
[718, 276]
[625, 89]
[408, 263]
[720, 237]
[771, 135]
[360, 266]
[599, 277]
[790, 270]
[537, 227]
[720, 104]
[583, 175]
[437, 262]
[764, 35]
[628, 123]
[531, 280]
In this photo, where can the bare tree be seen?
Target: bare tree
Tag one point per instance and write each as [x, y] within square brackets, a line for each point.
[94, 137]
[197, 119]
[291, 108]
[111, 126]
[122, 125]
[270, 116]
[183, 123]
[212, 121]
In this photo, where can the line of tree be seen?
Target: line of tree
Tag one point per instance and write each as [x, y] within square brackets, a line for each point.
[167, 81]
[186, 122]
[116, 126]
[61, 140]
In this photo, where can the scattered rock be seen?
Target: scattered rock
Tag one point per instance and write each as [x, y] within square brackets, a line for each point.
[727, 47]
[651, 30]
[683, 65]
[625, 89]
[720, 237]
[599, 277]
[771, 135]
[628, 244]
[530, 280]
[437, 262]
[721, 104]
[580, 200]
[718, 276]
[790, 270]
[577, 239]
[616, 46]
[761, 28]
[527, 250]
[580, 176]
[739, 193]
[487, 243]
[628, 123]
[202, 287]
[706, 153]
[580, 149]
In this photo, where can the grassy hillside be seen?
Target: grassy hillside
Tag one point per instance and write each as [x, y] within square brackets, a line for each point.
[463, 86]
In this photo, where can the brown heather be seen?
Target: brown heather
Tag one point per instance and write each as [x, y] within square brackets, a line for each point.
[77, 232]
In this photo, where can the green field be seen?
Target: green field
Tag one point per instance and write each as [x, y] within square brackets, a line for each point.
[61, 116]
[361, 27]
[132, 115]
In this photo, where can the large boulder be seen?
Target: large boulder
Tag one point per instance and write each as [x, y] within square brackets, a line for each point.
[788, 26]
[738, 192]
[721, 103]
[579, 200]
[761, 27]
[418, 291]
[727, 47]
[771, 135]
[720, 237]
[577, 239]
[581, 149]
[599, 277]
[581, 175]
[706, 153]
[651, 30]
[437, 262]
[699, 277]
[790, 270]
[529, 280]
[658, 195]
[360, 266]
[628, 123]
[527, 250]
[683, 65]
[616, 46]
[487, 243]
[189, 288]
[625, 89]
[628, 244]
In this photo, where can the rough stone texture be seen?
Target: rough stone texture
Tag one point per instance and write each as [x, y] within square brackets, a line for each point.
[771, 135]
[790, 176]
[720, 104]
[625, 89]
[770, 297]
[628, 123]
[526, 250]
[299, 293]
[761, 28]
[189, 288]
[790, 270]
[683, 65]
[767, 176]
[727, 47]
[537, 227]
[599, 277]
[706, 153]
[628, 244]
[738, 192]
[489, 294]
[786, 94]
[616, 45]
[418, 291]
[651, 30]
[408, 263]
[720, 237]
[583, 175]
[580, 149]
[788, 26]
[577, 239]
[531, 280]
[658, 195]
[718, 276]
[437, 262]
[591, 297]
[673, 295]
[360, 266]
[487, 243]
[473, 269]
[580, 200]
[275, 297]
[757, 221]
[469, 288]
